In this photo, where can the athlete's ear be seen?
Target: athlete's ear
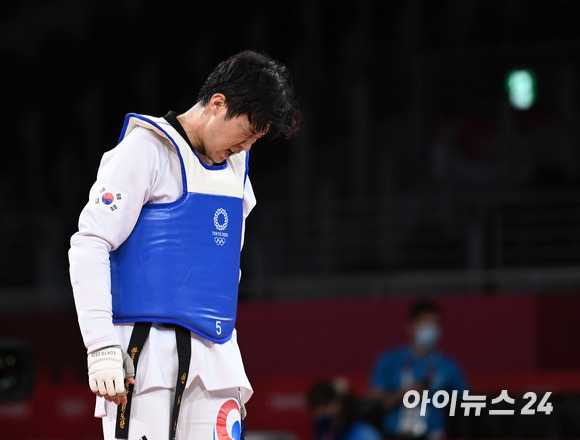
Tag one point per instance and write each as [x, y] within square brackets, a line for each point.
[217, 102]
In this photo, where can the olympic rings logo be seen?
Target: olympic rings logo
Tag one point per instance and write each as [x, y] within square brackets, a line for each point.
[216, 219]
[220, 241]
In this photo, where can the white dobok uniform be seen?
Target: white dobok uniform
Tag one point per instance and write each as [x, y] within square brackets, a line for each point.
[145, 168]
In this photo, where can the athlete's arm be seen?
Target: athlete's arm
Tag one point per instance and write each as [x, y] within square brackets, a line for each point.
[128, 177]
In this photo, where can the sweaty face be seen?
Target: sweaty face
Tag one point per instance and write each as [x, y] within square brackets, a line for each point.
[226, 137]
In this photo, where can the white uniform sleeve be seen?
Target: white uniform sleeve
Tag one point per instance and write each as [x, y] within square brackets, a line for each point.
[128, 177]
[248, 205]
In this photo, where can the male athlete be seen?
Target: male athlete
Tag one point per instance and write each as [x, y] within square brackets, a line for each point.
[155, 263]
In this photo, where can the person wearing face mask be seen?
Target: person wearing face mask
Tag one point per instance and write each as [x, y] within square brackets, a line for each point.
[335, 415]
[419, 366]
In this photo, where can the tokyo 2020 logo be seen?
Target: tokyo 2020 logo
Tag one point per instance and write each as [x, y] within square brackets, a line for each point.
[222, 215]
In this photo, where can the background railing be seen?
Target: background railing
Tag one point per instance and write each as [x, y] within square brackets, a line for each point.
[410, 243]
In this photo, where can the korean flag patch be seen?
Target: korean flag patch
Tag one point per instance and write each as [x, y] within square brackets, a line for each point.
[108, 198]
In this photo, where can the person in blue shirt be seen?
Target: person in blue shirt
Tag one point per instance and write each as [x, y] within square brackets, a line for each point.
[335, 415]
[418, 366]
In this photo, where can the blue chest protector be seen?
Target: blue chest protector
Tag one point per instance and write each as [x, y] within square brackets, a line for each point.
[181, 262]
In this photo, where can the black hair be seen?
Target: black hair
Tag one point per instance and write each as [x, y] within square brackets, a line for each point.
[423, 306]
[258, 86]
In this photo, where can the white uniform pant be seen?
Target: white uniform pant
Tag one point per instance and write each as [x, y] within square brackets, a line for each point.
[204, 415]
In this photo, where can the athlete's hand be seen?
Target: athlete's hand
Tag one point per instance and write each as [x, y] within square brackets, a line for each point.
[108, 368]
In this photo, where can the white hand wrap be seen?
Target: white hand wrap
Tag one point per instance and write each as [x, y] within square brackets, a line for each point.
[108, 369]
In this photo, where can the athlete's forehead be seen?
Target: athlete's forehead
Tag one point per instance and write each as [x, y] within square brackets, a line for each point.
[249, 127]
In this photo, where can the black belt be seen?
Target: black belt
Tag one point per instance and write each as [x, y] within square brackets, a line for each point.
[138, 338]
[183, 338]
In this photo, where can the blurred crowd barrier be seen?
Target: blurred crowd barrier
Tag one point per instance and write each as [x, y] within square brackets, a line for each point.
[519, 342]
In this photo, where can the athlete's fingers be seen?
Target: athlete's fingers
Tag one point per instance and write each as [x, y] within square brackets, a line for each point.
[115, 400]
[94, 386]
[102, 388]
[111, 388]
[119, 386]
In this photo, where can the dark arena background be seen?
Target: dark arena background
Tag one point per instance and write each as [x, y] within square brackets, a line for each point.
[439, 157]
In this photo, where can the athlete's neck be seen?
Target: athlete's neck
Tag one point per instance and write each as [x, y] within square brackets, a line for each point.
[192, 123]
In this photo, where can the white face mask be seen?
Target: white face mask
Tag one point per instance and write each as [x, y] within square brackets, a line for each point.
[426, 335]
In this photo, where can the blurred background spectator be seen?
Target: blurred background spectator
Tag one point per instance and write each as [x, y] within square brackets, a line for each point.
[335, 414]
[419, 366]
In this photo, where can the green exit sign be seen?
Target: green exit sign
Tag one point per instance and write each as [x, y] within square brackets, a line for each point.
[521, 88]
